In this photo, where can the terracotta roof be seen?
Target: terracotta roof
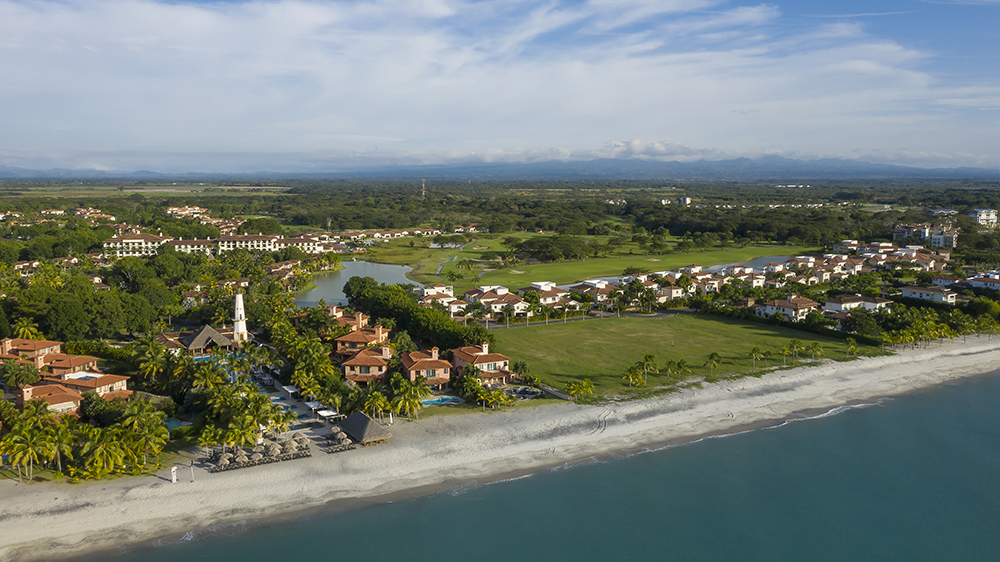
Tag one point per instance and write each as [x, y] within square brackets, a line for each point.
[367, 358]
[422, 360]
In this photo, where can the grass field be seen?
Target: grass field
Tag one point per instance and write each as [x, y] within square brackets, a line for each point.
[425, 261]
[602, 349]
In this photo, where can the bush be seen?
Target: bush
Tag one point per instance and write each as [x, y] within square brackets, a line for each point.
[182, 433]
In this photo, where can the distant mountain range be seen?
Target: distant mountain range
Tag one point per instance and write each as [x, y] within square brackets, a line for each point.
[775, 168]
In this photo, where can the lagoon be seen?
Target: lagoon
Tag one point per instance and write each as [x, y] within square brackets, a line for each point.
[330, 286]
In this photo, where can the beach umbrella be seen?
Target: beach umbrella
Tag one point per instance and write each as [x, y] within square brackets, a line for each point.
[341, 435]
[335, 429]
[222, 462]
[345, 441]
[258, 449]
[256, 457]
[241, 458]
[227, 456]
[273, 451]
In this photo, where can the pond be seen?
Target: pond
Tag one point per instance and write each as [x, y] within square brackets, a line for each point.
[330, 286]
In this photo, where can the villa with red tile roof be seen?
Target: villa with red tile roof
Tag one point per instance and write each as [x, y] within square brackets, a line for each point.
[494, 367]
[367, 365]
[348, 345]
[427, 364]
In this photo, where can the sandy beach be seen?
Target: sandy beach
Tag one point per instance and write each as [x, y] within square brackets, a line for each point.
[50, 521]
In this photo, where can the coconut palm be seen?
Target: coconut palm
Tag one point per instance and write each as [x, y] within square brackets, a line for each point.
[754, 355]
[852, 347]
[681, 367]
[376, 402]
[576, 389]
[26, 328]
[648, 365]
[714, 360]
[104, 451]
[796, 346]
[634, 376]
[27, 446]
[208, 375]
[785, 352]
[816, 349]
[63, 442]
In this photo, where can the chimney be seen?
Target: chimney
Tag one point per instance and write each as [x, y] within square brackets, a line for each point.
[6, 345]
[386, 352]
[434, 353]
[378, 333]
[486, 347]
[38, 361]
[23, 396]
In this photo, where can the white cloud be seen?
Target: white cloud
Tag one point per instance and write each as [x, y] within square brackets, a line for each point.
[429, 81]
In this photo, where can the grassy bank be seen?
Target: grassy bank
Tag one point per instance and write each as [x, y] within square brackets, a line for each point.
[603, 349]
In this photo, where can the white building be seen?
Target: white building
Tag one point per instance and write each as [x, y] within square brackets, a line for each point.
[935, 294]
[985, 217]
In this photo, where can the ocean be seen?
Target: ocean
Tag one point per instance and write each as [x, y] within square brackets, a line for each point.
[912, 478]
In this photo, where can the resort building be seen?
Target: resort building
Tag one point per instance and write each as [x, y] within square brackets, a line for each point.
[61, 400]
[367, 365]
[935, 294]
[795, 308]
[427, 364]
[845, 303]
[348, 345]
[134, 244]
[985, 217]
[493, 367]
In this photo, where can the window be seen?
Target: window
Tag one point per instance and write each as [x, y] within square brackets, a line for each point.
[429, 373]
[365, 370]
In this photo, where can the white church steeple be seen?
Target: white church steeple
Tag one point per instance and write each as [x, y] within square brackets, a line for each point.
[240, 333]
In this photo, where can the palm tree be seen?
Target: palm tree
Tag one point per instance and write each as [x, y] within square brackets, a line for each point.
[852, 347]
[754, 355]
[785, 352]
[26, 328]
[816, 349]
[767, 356]
[633, 375]
[681, 367]
[103, 451]
[207, 376]
[648, 365]
[63, 442]
[25, 445]
[796, 346]
[376, 402]
[714, 360]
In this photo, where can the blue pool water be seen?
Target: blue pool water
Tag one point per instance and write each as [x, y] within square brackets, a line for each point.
[442, 400]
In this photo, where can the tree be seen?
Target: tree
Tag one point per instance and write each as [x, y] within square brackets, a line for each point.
[713, 362]
[816, 349]
[63, 442]
[28, 446]
[634, 376]
[755, 354]
[785, 352]
[796, 346]
[852, 347]
[26, 328]
[19, 375]
[576, 389]
[648, 365]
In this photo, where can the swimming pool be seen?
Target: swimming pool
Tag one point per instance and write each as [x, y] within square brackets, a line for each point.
[442, 400]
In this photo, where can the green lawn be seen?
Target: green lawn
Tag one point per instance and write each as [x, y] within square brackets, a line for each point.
[425, 261]
[602, 349]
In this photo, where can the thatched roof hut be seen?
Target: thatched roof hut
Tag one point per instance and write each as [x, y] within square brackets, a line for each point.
[364, 430]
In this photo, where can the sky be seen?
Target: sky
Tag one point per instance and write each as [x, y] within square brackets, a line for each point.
[315, 86]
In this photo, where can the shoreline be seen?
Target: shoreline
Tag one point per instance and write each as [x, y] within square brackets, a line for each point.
[445, 453]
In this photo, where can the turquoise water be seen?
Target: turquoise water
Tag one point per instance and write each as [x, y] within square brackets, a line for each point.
[442, 400]
[916, 478]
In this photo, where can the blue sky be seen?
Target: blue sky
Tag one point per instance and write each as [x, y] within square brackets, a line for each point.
[297, 85]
